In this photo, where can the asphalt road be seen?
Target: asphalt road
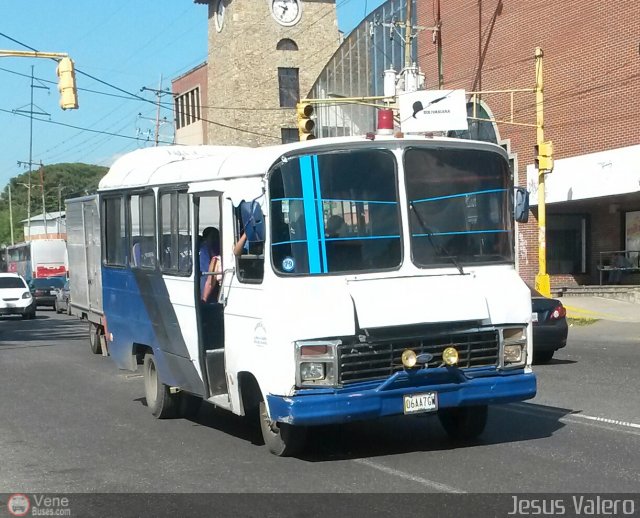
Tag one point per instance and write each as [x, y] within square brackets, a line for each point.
[71, 422]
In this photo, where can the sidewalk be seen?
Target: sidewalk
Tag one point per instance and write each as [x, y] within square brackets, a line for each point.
[600, 308]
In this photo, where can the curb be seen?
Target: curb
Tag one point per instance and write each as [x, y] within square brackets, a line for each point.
[584, 314]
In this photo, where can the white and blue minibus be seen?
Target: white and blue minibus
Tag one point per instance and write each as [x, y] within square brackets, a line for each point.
[374, 277]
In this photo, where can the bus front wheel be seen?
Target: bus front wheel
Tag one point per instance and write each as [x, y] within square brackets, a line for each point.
[464, 423]
[283, 440]
[160, 401]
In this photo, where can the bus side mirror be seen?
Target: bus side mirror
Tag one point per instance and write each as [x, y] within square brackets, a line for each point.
[521, 205]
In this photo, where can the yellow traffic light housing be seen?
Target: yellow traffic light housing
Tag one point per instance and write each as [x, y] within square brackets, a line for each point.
[544, 156]
[67, 84]
[306, 125]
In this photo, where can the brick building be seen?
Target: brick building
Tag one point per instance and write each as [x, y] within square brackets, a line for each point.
[190, 99]
[592, 114]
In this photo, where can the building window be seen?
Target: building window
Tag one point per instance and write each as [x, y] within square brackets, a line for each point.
[187, 108]
[289, 85]
[566, 244]
[289, 135]
[287, 44]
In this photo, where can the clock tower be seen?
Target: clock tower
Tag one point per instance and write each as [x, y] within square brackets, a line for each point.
[264, 55]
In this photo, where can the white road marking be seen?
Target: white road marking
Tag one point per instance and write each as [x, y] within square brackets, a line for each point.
[575, 418]
[408, 476]
[608, 421]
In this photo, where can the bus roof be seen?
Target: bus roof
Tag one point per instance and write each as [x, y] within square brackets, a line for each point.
[166, 165]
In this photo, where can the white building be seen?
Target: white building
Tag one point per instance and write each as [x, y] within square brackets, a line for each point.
[53, 226]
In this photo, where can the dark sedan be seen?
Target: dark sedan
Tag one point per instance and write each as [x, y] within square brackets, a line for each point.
[45, 290]
[549, 326]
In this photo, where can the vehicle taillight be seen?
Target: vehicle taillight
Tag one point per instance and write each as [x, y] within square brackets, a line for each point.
[558, 313]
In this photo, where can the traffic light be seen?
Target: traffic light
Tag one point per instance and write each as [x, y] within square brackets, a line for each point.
[305, 123]
[67, 84]
[544, 156]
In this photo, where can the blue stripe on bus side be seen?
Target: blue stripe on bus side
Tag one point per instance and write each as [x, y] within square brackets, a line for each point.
[310, 217]
[320, 214]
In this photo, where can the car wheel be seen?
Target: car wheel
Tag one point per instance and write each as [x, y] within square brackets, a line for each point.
[543, 356]
[161, 402]
[283, 440]
[94, 338]
[464, 423]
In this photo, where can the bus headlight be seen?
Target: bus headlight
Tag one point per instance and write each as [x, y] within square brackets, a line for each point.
[317, 363]
[513, 346]
[311, 371]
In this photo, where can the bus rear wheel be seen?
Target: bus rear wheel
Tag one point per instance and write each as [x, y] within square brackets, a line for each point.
[160, 401]
[464, 423]
[283, 440]
[94, 338]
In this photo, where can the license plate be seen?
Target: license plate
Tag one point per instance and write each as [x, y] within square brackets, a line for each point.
[417, 403]
[534, 317]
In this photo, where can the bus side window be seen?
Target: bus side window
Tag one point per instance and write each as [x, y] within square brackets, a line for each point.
[175, 234]
[142, 229]
[250, 227]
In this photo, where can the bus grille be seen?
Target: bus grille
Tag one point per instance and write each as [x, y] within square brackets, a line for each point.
[380, 359]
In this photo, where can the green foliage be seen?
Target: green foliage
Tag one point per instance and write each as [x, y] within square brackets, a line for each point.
[61, 181]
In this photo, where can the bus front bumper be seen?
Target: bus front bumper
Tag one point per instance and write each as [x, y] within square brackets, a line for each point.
[366, 401]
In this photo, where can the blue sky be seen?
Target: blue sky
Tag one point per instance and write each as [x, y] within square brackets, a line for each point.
[126, 43]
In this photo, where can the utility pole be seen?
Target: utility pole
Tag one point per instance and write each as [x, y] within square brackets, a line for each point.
[439, 47]
[158, 96]
[11, 214]
[44, 208]
[408, 35]
[159, 93]
[31, 113]
[28, 186]
[543, 284]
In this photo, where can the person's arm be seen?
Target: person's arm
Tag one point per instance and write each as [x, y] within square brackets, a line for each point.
[212, 280]
[239, 246]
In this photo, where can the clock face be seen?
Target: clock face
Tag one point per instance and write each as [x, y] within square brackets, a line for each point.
[219, 15]
[286, 12]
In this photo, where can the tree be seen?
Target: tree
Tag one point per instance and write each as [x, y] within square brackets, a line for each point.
[61, 181]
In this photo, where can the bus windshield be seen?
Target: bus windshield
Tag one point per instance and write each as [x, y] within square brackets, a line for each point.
[335, 212]
[459, 205]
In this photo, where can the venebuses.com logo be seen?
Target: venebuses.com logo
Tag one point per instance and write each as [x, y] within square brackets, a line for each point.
[18, 504]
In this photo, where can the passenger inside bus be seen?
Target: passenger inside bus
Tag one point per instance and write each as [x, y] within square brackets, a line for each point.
[209, 254]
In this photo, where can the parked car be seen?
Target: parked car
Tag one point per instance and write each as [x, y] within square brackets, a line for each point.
[62, 302]
[45, 290]
[549, 326]
[15, 296]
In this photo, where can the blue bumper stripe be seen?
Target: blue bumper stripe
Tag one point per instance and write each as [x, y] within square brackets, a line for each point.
[341, 406]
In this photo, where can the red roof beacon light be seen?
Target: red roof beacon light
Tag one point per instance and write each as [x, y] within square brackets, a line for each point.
[385, 122]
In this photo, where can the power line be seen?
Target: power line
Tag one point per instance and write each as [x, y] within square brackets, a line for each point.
[56, 123]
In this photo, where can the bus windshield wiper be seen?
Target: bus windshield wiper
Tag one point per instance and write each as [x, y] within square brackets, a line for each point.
[440, 249]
